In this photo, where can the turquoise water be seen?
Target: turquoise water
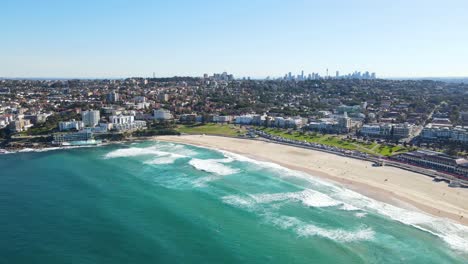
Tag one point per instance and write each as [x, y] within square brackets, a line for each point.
[157, 202]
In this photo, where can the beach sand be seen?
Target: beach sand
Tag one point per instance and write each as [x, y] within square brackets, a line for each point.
[387, 184]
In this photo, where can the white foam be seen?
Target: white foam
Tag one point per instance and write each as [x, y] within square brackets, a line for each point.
[307, 230]
[284, 222]
[307, 197]
[212, 166]
[456, 235]
[337, 234]
[360, 215]
[162, 160]
[165, 157]
[348, 207]
[177, 148]
[238, 201]
[131, 152]
[46, 149]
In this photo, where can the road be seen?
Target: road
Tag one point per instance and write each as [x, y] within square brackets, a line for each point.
[419, 128]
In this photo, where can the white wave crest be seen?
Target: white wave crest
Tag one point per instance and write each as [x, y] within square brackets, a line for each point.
[163, 160]
[360, 215]
[238, 201]
[337, 234]
[455, 235]
[212, 166]
[164, 157]
[307, 197]
[25, 150]
[307, 230]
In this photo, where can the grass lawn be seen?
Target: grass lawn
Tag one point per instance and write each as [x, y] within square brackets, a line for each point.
[340, 142]
[212, 129]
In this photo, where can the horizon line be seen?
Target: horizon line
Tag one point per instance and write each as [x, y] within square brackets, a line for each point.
[200, 76]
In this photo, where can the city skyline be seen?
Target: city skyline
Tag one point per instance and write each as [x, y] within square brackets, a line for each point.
[84, 39]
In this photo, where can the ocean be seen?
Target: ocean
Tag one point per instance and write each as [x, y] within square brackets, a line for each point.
[157, 202]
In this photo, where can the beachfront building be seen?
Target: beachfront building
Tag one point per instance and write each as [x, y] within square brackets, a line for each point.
[162, 114]
[121, 119]
[69, 125]
[437, 161]
[460, 134]
[385, 130]
[100, 128]
[259, 120]
[222, 119]
[288, 122]
[341, 124]
[402, 130]
[188, 118]
[61, 138]
[126, 123]
[442, 132]
[370, 130]
[90, 118]
[20, 125]
[244, 119]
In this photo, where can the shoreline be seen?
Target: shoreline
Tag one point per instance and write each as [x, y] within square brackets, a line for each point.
[390, 185]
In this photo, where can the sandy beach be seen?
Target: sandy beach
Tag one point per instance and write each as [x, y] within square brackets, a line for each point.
[388, 184]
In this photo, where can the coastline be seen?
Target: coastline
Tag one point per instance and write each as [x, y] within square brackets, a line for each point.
[391, 185]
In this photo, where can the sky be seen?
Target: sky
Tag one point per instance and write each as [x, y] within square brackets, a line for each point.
[256, 38]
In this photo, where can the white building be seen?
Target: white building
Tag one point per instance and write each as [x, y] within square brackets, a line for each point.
[371, 130]
[138, 124]
[222, 119]
[90, 118]
[244, 119]
[125, 123]
[280, 122]
[387, 130]
[402, 130]
[68, 125]
[162, 114]
[442, 132]
[121, 119]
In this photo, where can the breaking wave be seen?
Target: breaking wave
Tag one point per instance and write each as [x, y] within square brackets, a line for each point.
[165, 154]
[330, 195]
[303, 229]
[212, 166]
[452, 233]
[307, 197]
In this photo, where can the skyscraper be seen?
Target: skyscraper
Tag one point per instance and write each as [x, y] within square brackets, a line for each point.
[90, 118]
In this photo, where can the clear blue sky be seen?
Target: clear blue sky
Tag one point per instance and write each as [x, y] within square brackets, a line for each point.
[121, 38]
